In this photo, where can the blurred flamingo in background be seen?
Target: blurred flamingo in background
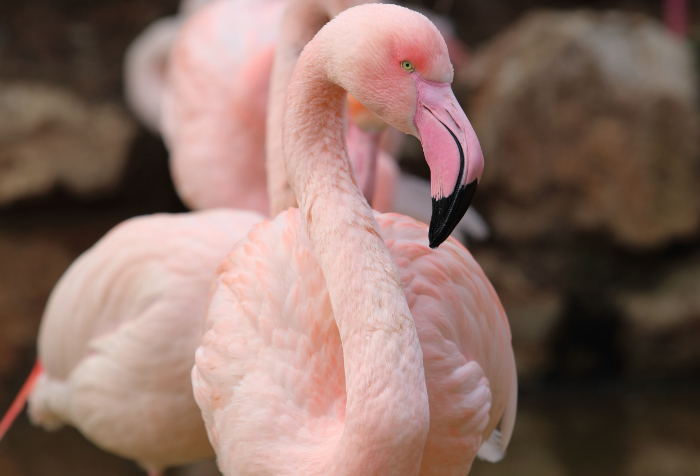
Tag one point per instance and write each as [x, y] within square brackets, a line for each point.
[145, 64]
[214, 103]
[119, 332]
[676, 16]
[215, 98]
[320, 356]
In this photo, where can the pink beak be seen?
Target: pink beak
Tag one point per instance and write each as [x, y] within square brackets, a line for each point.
[453, 153]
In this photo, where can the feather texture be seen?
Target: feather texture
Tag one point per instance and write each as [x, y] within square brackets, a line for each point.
[274, 366]
[117, 338]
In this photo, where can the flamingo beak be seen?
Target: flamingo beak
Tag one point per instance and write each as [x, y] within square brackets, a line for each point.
[453, 153]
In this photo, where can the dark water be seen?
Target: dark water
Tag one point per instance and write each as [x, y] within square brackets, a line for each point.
[641, 433]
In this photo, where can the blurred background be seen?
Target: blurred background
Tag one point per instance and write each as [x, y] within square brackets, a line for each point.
[589, 123]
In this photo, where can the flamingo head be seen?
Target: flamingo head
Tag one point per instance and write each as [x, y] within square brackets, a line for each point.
[396, 63]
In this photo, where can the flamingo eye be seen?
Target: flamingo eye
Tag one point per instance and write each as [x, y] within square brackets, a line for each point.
[408, 66]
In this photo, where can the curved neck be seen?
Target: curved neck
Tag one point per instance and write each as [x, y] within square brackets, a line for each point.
[387, 413]
[301, 21]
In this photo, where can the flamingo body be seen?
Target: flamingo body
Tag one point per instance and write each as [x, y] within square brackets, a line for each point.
[271, 361]
[145, 62]
[214, 104]
[118, 336]
[336, 340]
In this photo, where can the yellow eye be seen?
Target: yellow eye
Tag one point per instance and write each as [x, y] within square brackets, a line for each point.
[408, 66]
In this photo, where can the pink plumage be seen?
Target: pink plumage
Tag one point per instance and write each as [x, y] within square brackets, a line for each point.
[117, 338]
[145, 64]
[336, 340]
[271, 361]
[214, 99]
[676, 16]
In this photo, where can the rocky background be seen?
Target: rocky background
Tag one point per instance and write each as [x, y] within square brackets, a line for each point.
[590, 128]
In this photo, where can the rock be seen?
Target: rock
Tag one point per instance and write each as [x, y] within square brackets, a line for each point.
[588, 123]
[662, 324]
[50, 137]
[664, 460]
[532, 309]
[663, 436]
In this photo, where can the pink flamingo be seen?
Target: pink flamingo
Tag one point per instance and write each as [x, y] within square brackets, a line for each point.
[215, 101]
[54, 401]
[145, 63]
[337, 345]
[215, 98]
[119, 332]
[676, 16]
[103, 338]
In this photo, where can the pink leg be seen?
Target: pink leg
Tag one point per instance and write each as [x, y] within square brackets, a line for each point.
[20, 400]
[676, 16]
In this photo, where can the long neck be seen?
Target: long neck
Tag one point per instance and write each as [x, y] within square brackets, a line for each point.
[387, 412]
[301, 21]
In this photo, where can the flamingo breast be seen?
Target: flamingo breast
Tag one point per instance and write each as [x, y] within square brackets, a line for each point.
[269, 374]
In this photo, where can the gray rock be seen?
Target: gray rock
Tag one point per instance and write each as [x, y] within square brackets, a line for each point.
[663, 459]
[663, 437]
[588, 123]
[50, 137]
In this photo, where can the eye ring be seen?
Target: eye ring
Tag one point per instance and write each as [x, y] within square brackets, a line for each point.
[408, 66]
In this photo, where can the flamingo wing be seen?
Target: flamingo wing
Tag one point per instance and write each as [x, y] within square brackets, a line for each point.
[118, 336]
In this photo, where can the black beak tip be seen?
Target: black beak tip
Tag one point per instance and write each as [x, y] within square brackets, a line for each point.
[448, 212]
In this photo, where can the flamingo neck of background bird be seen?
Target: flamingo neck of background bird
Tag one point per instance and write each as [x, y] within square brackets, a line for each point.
[676, 16]
[387, 413]
[301, 21]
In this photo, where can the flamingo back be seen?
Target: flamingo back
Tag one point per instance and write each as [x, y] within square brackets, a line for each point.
[215, 101]
[118, 336]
